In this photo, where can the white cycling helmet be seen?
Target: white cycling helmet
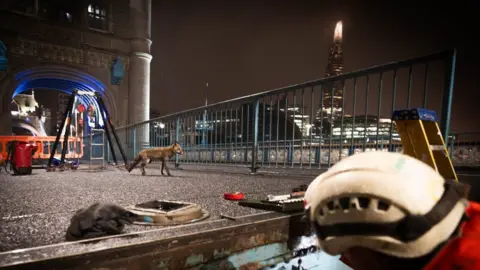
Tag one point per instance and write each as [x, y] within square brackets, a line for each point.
[388, 202]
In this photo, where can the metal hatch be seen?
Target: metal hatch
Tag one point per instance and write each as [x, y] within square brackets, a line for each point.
[169, 213]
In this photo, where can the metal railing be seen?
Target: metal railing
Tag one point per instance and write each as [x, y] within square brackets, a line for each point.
[307, 125]
[465, 149]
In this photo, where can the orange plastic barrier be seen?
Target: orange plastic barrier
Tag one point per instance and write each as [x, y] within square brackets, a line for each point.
[75, 146]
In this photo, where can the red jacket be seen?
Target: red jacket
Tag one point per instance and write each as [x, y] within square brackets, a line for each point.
[462, 253]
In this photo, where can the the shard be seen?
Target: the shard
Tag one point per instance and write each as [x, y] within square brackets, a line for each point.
[332, 94]
[330, 107]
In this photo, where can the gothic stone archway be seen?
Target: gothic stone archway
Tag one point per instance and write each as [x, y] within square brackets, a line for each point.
[56, 77]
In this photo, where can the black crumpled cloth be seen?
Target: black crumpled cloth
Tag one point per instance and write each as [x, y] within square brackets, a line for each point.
[99, 220]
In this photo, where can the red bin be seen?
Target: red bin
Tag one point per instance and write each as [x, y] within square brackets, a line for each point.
[21, 159]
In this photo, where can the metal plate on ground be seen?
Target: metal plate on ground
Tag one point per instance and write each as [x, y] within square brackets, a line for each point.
[169, 213]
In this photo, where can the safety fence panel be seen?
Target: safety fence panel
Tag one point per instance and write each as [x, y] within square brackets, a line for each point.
[45, 146]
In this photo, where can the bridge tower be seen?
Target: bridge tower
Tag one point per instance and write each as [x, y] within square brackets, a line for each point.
[92, 45]
[139, 77]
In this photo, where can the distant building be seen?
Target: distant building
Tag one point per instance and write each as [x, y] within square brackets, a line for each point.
[237, 126]
[26, 103]
[47, 119]
[30, 117]
[296, 114]
[362, 128]
[333, 103]
[62, 107]
[329, 122]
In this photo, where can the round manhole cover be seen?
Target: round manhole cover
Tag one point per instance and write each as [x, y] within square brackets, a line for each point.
[169, 213]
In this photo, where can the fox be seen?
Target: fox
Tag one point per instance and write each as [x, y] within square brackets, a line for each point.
[146, 156]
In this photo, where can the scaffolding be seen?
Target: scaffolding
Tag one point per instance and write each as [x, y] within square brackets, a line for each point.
[107, 129]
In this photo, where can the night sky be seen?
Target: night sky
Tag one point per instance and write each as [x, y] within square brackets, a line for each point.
[241, 49]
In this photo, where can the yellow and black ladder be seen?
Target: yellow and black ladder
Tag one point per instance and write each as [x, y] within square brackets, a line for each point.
[422, 139]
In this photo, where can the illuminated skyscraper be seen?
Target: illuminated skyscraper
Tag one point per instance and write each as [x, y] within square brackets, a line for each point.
[328, 111]
[334, 68]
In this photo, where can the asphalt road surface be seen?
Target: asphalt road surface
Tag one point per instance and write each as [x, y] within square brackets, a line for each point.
[35, 210]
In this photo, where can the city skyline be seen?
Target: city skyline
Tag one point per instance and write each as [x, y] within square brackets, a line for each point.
[56, 101]
[300, 14]
[300, 114]
[288, 46]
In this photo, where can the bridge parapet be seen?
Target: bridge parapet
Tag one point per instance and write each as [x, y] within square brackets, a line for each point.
[292, 127]
[304, 157]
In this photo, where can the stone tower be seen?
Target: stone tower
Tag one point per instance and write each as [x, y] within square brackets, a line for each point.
[139, 77]
[99, 45]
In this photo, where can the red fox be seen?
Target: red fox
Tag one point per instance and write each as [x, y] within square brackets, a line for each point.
[146, 156]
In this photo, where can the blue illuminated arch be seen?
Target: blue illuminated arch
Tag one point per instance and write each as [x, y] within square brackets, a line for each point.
[3, 56]
[62, 79]
[3, 49]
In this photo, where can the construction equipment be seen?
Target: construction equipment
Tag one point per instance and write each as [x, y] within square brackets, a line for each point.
[286, 203]
[282, 205]
[422, 139]
[108, 127]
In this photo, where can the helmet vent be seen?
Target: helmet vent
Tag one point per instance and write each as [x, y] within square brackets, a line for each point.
[344, 203]
[363, 202]
[383, 205]
[331, 205]
[358, 203]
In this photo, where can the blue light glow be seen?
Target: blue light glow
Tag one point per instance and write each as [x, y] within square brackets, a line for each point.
[62, 79]
[3, 57]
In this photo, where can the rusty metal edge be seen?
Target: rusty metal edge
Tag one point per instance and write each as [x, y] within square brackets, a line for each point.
[220, 231]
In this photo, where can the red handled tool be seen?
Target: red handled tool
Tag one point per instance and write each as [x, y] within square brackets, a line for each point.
[236, 196]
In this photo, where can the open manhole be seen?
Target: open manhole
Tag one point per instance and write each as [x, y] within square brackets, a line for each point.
[169, 213]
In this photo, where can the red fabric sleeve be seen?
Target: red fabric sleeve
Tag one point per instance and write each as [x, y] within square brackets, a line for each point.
[462, 253]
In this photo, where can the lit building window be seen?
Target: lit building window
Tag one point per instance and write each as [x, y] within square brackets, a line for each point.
[97, 17]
